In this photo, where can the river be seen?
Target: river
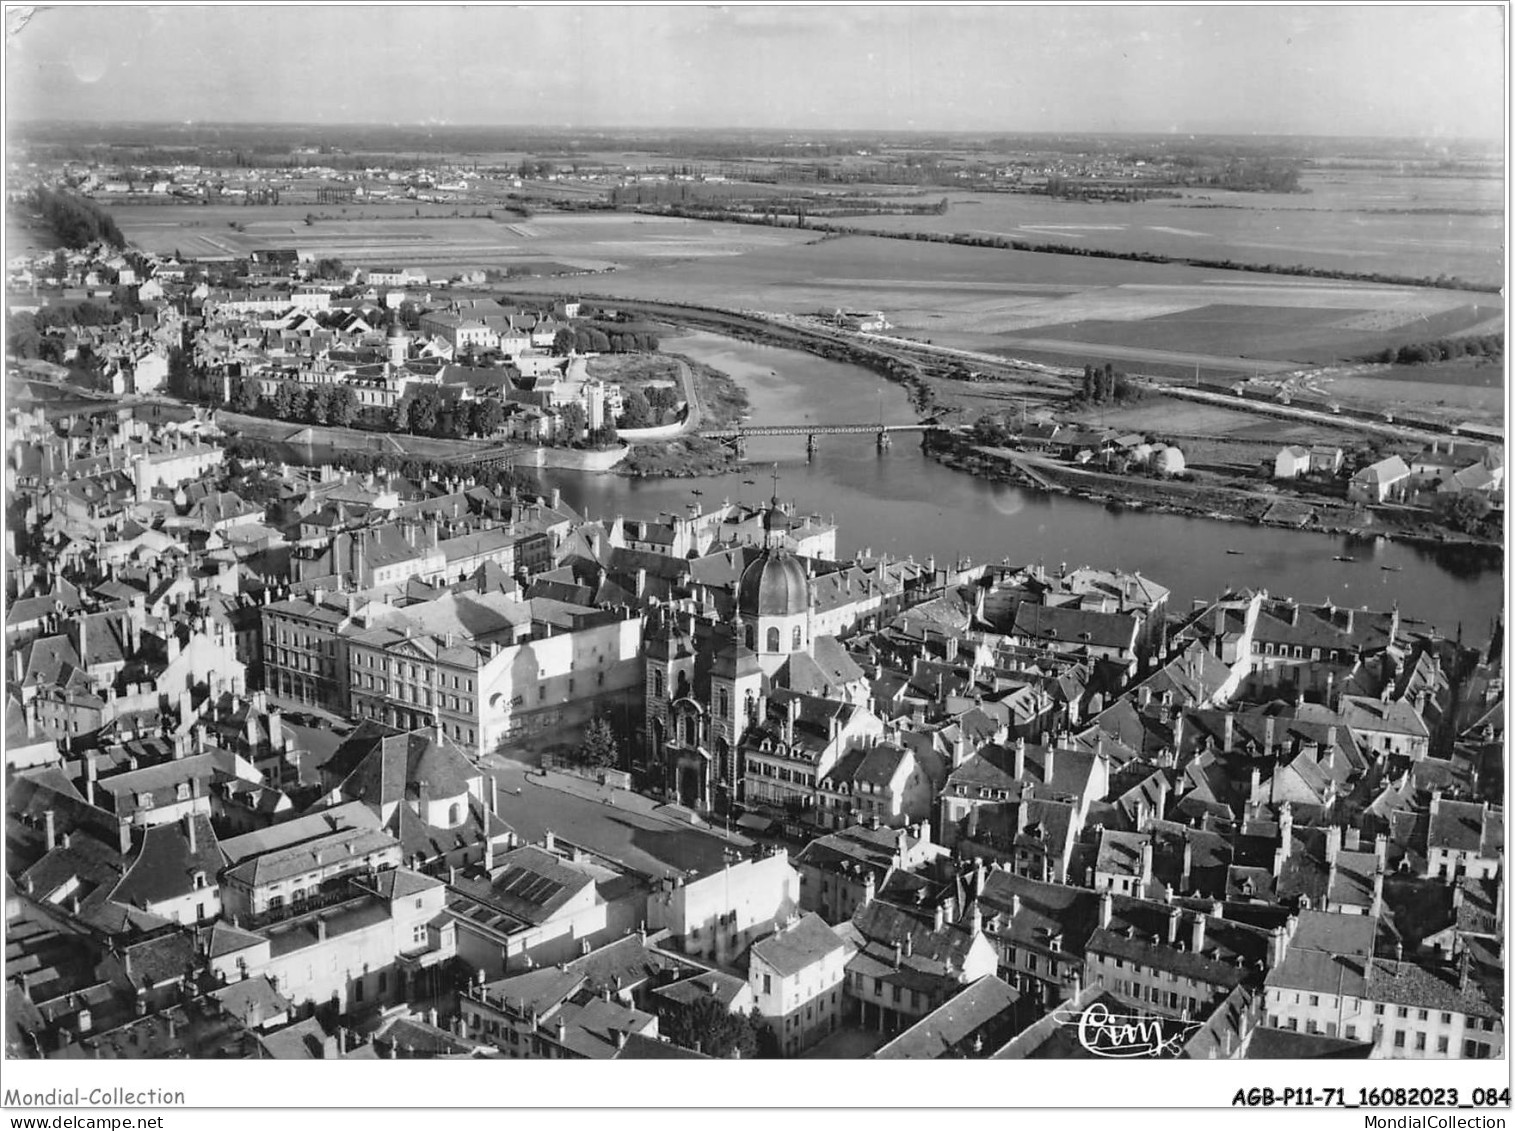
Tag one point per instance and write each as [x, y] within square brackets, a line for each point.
[901, 502]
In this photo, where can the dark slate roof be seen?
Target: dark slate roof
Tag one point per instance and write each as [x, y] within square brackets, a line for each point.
[165, 867]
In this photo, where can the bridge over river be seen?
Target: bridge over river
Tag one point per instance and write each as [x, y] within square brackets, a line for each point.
[738, 435]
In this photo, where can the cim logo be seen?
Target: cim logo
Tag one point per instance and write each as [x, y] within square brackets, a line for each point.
[1127, 1036]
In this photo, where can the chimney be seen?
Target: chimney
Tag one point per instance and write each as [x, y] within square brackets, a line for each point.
[321, 929]
[940, 917]
[189, 832]
[1197, 933]
[52, 830]
[1286, 828]
[1333, 843]
[1185, 880]
[1146, 863]
[1106, 907]
[1378, 892]
[1020, 759]
[1047, 770]
[1277, 943]
[124, 833]
[549, 841]
[1174, 915]
[1268, 736]
[1228, 734]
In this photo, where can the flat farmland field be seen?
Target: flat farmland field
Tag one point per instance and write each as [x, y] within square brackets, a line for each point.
[399, 236]
[1301, 326]
[1362, 222]
[1451, 391]
[1066, 310]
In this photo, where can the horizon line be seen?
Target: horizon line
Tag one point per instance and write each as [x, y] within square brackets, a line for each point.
[808, 131]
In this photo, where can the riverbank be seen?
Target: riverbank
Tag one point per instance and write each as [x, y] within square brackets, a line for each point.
[1171, 496]
[714, 399]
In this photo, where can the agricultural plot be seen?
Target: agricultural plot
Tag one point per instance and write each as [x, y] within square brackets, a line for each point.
[1065, 310]
[1361, 222]
[431, 236]
[1453, 391]
[1297, 325]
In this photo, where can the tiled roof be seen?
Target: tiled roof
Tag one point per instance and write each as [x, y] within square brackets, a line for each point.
[984, 1010]
[796, 948]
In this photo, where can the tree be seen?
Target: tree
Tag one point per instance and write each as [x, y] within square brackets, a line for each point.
[180, 373]
[317, 404]
[599, 749]
[342, 409]
[662, 399]
[245, 395]
[488, 415]
[22, 338]
[424, 410]
[573, 422]
[635, 411]
[1464, 510]
[399, 416]
[709, 1027]
[284, 401]
[563, 342]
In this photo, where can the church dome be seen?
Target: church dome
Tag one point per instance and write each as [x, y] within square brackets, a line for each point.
[774, 585]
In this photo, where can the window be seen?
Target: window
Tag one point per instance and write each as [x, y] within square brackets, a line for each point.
[767, 983]
[798, 640]
[1441, 1044]
[1420, 1042]
[1402, 1012]
[1351, 1032]
[773, 640]
[1399, 1039]
[1314, 999]
[1421, 1015]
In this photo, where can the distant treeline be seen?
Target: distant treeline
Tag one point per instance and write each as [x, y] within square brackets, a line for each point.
[1064, 189]
[1445, 282]
[1490, 346]
[75, 221]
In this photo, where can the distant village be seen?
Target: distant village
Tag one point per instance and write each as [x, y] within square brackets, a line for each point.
[312, 762]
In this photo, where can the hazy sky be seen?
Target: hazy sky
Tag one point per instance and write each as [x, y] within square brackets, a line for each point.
[1412, 71]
